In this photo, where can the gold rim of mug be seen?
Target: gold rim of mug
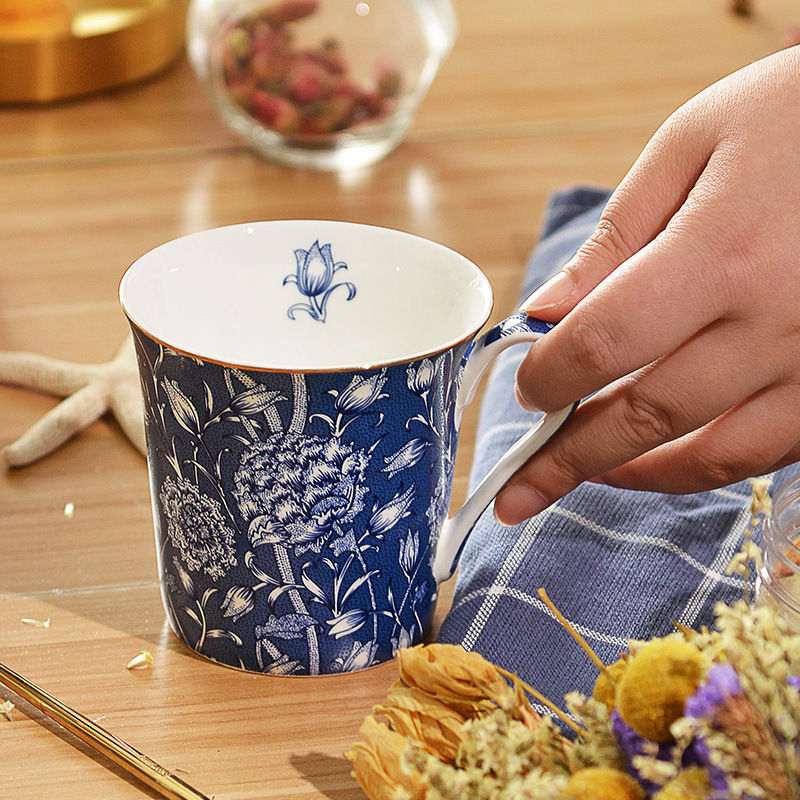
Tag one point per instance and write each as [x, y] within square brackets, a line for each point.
[319, 370]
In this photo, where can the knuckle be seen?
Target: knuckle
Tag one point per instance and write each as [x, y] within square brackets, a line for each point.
[609, 241]
[564, 472]
[596, 349]
[715, 467]
[648, 420]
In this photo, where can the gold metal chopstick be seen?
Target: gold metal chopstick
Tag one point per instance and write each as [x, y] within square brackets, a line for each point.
[100, 739]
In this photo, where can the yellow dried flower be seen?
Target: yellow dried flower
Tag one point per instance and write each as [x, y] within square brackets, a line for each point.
[6, 709]
[604, 690]
[464, 681]
[423, 719]
[602, 783]
[379, 766]
[658, 680]
[689, 784]
[143, 661]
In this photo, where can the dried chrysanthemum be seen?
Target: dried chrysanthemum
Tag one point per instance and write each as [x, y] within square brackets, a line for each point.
[652, 691]
[602, 783]
[418, 716]
[6, 708]
[465, 681]
[380, 766]
[142, 661]
[470, 684]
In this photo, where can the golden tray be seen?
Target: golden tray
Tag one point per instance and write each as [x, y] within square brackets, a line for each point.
[99, 44]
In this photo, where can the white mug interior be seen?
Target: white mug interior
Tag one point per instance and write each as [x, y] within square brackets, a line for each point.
[227, 295]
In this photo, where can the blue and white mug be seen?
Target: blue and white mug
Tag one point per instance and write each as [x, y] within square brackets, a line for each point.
[303, 384]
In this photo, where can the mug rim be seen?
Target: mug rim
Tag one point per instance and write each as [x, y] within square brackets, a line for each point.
[332, 369]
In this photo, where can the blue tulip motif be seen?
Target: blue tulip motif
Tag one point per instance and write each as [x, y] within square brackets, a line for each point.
[314, 280]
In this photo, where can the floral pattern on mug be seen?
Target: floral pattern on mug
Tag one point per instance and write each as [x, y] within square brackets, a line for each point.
[314, 280]
[297, 490]
[197, 528]
[297, 514]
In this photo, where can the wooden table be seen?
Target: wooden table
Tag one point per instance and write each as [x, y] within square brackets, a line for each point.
[534, 96]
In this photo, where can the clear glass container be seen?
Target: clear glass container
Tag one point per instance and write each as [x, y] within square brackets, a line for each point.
[326, 84]
[778, 581]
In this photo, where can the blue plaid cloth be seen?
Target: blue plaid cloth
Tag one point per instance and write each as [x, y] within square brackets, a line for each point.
[618, 564]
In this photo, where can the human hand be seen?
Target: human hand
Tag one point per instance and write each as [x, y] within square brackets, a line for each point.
[682, 310]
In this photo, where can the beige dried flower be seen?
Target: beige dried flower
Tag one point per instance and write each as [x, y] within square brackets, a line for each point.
[500, 758]
[761, 501]
[597, 746]
[658, 765]
[380, 766]
[36, 623]
[6, 708]
[749, 555]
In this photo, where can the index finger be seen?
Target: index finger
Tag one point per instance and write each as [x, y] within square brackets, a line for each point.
[654, 301]
[639, 209]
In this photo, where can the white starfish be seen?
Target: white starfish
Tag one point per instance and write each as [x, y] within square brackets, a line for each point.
[90, 389]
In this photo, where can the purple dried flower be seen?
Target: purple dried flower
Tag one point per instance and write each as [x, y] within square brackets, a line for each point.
[716, 776]
[721, 683]
[634, 744]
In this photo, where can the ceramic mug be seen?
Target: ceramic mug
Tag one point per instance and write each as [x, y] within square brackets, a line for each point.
[303, 384]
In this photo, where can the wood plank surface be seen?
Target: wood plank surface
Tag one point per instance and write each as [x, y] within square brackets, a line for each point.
[534, 96]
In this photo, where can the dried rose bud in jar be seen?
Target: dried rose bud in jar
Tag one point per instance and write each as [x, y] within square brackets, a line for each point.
[295, 90]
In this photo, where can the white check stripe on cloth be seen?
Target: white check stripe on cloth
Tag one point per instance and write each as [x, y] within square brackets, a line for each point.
[718, 576]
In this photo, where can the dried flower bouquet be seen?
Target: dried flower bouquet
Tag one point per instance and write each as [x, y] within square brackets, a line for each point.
[708, 715]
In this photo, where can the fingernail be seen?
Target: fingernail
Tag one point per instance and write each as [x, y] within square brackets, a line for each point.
[558, 288]
[517, 503]
[522, 400]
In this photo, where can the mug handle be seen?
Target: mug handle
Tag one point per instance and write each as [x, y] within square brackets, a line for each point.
[484, 350]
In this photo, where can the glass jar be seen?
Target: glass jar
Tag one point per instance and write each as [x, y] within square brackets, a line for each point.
[778, 581]
[326, 84]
